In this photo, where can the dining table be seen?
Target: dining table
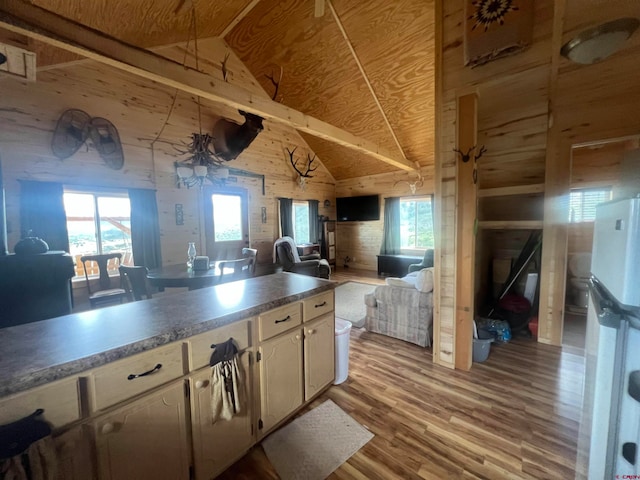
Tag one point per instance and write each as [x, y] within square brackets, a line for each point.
[180, 275]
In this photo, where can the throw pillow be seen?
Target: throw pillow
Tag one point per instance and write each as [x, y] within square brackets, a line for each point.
[424, 280]
[399, 282]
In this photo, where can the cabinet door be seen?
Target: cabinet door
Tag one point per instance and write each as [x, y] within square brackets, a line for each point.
[281, 382]
[218, 445]
[75, 455]
[319, 358]
[145, 439]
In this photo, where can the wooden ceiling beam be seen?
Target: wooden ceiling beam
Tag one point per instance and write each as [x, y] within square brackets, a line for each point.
[35, 22]
[365, 77]
[238, 18]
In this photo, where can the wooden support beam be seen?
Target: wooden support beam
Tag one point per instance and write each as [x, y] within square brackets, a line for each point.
[365, 77]
[35, 22]
[467, 200]
[238, 18]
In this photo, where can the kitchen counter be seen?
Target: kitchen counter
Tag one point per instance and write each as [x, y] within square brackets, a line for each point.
[37, 353]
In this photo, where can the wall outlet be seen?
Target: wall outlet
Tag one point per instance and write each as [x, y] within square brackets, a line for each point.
[353, 259]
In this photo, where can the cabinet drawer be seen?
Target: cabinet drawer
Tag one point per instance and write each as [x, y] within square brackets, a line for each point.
[318, 305]
[131, 376]
[59, 400]
[200, 345]
[279, 320]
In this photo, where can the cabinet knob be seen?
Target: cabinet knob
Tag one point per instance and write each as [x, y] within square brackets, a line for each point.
[107, 428]
[298, 337]
[201, 384]
[311, 331]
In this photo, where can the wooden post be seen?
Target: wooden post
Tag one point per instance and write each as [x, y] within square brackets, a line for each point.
[467, 197]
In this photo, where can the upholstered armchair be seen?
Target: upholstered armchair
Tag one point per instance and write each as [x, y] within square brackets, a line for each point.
[403, 308]
[427, 262]
[286, 254]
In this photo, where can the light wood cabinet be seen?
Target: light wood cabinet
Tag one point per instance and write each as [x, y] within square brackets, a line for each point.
[319, 357]
[279, 320]
[317, 305]
[75, 454]
[59, 400]
[130, 419]
[123, 379]
[217, 445]
[281, 378]
[146, 438]
[297, 365]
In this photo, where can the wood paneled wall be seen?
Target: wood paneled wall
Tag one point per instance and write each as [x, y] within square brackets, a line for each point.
[139, 109]
[533, 108]
[512, 123]
[362, 240]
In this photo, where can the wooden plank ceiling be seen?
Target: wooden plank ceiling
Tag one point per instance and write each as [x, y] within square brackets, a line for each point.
[365, 67]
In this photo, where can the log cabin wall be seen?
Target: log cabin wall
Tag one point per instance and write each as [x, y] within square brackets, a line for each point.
[138, 108]
[512, 123]
[590, 103]
[591, 167]
[533, 107]
[362, 240]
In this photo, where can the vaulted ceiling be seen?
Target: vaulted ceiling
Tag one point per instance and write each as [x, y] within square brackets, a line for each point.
[366, 67]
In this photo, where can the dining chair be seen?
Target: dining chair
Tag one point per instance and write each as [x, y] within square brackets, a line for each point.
[251, 253]
[135, 281]
[109, 289]
[231, 270]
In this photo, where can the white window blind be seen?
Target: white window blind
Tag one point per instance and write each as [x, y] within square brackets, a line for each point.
[582, 203]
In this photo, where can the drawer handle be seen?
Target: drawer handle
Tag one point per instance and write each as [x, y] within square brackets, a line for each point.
[153, 370]
[321, 304]
[288, 317]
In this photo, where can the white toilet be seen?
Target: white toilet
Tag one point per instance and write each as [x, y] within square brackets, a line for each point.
[579, 271]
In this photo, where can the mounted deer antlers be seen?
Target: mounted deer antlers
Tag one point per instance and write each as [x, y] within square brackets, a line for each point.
[302, 176]
[223, 67]
[275, 83]
[465, 157]
[412, 185]
[482, 150]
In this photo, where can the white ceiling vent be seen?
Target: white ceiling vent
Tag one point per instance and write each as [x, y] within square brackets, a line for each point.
[17, 62]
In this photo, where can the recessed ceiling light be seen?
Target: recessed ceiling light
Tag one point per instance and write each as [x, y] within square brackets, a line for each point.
[597, 43]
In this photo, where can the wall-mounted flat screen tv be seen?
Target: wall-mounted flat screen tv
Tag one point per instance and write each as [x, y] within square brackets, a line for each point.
[358, 209]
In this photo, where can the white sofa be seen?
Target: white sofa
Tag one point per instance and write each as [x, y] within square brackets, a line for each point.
[403, 308]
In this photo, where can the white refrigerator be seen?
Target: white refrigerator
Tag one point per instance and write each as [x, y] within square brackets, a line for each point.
[609, 436]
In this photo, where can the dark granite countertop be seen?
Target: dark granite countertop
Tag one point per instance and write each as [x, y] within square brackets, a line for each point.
[37, 353]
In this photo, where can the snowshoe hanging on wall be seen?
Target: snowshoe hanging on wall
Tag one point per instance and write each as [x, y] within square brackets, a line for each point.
[104, 136]
[70, 133]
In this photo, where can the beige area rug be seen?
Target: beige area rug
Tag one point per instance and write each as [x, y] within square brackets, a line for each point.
[315, 444]
[350, 302]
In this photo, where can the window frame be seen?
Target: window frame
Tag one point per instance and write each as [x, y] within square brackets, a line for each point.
[224, 249]
[604, 189]
[417, 250]
[293, 219]
[96, 193]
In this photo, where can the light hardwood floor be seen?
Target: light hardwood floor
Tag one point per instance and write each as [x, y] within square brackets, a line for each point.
[514, 416]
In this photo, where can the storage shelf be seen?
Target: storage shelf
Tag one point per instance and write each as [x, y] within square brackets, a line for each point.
[510, 224]
[515, 190]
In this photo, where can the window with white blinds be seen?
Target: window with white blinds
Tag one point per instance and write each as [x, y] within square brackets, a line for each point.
[582, 203]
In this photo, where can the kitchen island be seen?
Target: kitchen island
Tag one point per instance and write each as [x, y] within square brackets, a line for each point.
[95, 372]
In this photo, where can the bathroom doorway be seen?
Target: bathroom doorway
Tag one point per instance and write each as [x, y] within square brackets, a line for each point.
[600, 171]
